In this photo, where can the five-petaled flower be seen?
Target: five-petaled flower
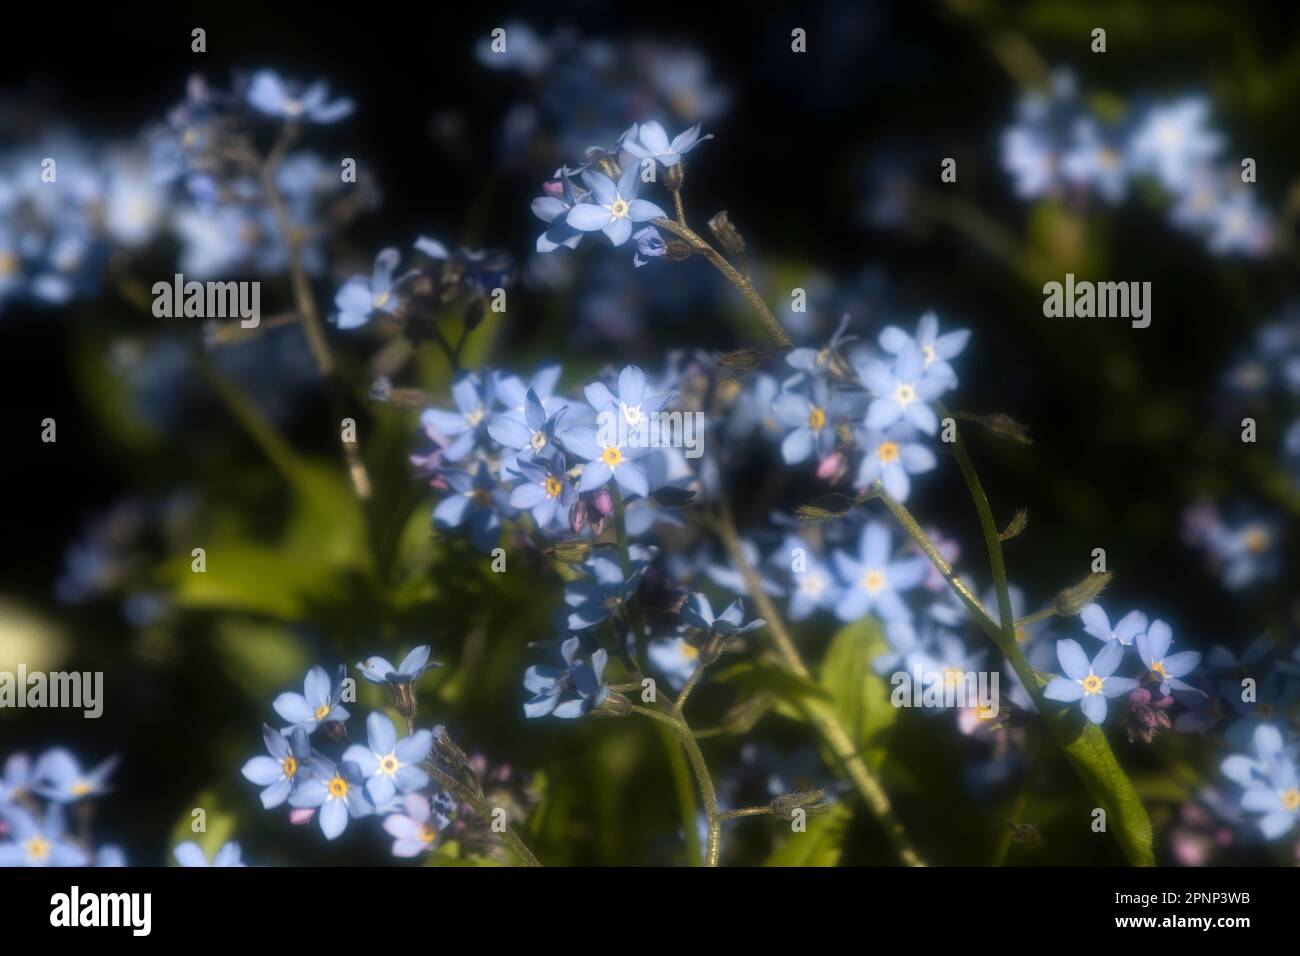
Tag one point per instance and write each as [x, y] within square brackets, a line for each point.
[613, 206]
[389, 764]
[317, 704]
[279, 772]
[1091, 682]
[338, 790]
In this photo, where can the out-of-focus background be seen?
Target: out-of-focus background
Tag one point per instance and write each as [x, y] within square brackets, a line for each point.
[829, 163]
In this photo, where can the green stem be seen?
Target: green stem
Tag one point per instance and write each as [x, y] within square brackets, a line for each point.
[703, 779]
[732, 275]
[685, 795]
[820, 713]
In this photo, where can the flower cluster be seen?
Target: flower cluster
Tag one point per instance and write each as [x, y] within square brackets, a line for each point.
[1059, 146]
[386, 776]
[35, 797]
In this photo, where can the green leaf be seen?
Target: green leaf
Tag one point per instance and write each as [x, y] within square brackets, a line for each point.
[860, 695]
[820, 845]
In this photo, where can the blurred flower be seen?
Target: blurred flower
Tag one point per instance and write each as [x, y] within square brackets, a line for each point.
[34, 843]
[654, 143]
[554, 686]
[872, 581]
[1153, 648]
[270, 94]
[188, 854]
[60, 777]
[377, 670]
[1097, 624]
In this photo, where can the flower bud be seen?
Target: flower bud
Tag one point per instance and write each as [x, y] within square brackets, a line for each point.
[577, 517]
[675, 176]
[731, 241]
[403, 695]
[603, 501]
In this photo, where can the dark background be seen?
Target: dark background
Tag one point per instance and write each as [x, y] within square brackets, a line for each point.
[1123, 419]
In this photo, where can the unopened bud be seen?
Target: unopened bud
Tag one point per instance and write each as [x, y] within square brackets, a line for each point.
[675, 176]
[403, 694]
[731, 241]
[614, 705]
[603, 501]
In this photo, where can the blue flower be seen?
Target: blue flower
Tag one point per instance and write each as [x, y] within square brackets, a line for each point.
[936, 350]
[317, 704]
[598, 597]
[1153, 648]
[415, 831]
[545, 490]
[389, 764]
[676, 657]
[891, 457]
[61, 779]
[1269, 781]
[571, 687]
[473, 397]
[188, 854]
[698, 613]
[35, 843]
[17, 779]
[1089, 682]
[816, 362]
[649, 245]
[271, 95]
[360, 296]
[1097, 624]
[872, 581]
[614, 207]
[377, 670]
[476, 501]
[901, 390]
[809, 418]
[533, 436]
[336, 790]
[813, 586]
[278, 772]
[552, 209]
[1172, 142]
[654, 143]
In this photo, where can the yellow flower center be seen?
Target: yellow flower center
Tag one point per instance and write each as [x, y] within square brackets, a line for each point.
[1256, 540]
[904, 394]
[887, 451]
[1022, 634]
[553, 486]
[1291, 800]
[927, 352]
[1092, 684]
[338, 788]
[289, 765]
[538, 441]
[612, 456]
[8, 263]
[37, 849]
[81, 788]
[389, 765]
[1158, 668]
[632, 414]
[618, 209]
[690, 651]
[379, 301]
[428, 833]
[816, 419]
[873, 581]
[322, 711]
[474, 417]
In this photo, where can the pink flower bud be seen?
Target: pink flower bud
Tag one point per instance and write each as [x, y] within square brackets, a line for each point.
[553, 188]
[603, 501]
[301, 815]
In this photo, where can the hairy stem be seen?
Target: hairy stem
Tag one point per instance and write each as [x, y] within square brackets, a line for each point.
[732, 275]
[476, 800]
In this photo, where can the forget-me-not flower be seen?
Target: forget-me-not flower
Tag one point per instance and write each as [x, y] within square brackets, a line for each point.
[270, 94]
[317, 704]
[378, 670]
[475, 501]
[1126, 630]
[360, 296]
[389, 764]
[338, 790]
[871, 580]
[1091, 682]
[891, 457]
[278, 772]
[901, 390]
[1153, 648]
[38, 843]
[60, 778]
[189, 854]
[613, 207]
[654, 142]
[569, 688]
